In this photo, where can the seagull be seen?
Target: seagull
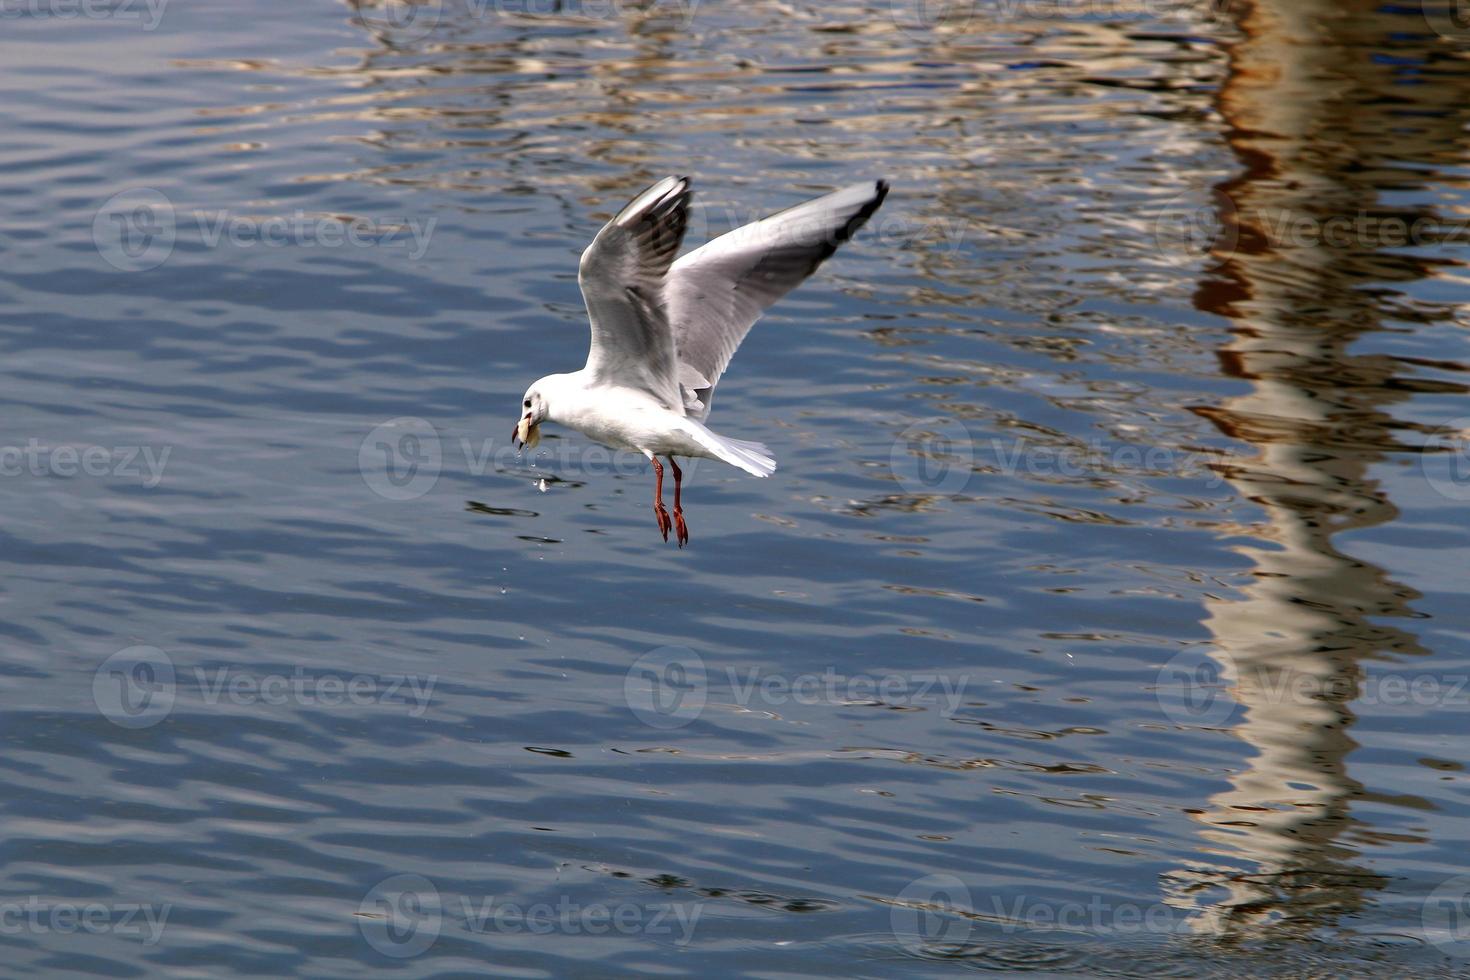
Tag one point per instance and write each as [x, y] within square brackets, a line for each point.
[663, 331]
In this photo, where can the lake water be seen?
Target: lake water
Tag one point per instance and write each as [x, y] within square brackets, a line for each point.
[1107, 614]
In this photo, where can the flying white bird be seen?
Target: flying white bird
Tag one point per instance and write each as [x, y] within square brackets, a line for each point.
[663, 331]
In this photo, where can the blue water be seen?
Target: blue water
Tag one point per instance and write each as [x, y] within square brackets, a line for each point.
[1104, 616]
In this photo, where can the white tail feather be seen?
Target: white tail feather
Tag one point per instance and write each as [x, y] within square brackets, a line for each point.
[752, 457]
[755, 458]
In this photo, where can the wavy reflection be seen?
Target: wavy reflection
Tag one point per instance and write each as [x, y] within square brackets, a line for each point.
[1330, 107]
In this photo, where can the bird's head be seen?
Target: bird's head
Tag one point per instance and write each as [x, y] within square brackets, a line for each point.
[527, 432]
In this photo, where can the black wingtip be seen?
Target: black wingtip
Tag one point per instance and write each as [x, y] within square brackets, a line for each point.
[844, 233]
[665, 224]
[880, 191]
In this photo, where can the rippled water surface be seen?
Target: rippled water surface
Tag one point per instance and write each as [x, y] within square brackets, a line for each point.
[1105, 617]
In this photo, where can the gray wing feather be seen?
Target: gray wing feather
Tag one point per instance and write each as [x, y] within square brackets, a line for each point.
[622, 276]
[715, 294]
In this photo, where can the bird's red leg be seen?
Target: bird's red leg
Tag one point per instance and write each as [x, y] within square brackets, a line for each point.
[681, 529]
[658, 498]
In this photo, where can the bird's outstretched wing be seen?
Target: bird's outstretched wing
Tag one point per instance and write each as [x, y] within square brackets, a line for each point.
[715, 294]
[622, 277]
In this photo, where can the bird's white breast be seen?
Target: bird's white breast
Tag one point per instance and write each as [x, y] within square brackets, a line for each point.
[624, 418]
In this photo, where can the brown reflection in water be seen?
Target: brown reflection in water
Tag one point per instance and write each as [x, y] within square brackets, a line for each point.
[1323, 121]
